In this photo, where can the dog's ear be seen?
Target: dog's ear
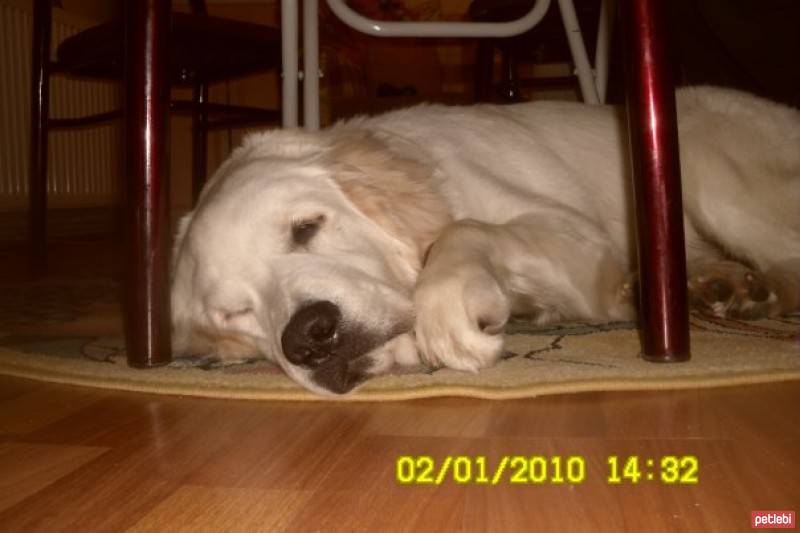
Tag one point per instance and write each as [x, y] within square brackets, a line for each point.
[396, 191]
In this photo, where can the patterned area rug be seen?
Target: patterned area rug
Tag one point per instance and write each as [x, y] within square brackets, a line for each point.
[71, 333]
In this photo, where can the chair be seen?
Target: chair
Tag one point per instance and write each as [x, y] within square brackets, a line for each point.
[203, 50]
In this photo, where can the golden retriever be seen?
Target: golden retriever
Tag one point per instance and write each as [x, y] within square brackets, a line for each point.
[411, 237]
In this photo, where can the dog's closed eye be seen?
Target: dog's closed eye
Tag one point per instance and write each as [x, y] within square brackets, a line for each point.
[304, 230]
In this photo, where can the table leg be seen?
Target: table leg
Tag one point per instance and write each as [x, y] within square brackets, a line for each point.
[147, 311]
[652, 122]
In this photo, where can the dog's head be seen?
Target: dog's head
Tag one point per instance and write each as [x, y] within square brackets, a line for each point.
[304, 248]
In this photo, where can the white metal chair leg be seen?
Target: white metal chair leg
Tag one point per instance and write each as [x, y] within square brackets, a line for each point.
[578, 50]
[603, 48]
[289, 60]
[311, 64]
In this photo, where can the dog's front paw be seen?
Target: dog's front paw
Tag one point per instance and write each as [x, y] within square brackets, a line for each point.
[461, 316]
[731, 290]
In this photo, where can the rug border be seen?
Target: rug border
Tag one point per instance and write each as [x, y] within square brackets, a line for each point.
[426, 391]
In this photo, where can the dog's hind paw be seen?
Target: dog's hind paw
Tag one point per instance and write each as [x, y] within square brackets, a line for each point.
[731, 290]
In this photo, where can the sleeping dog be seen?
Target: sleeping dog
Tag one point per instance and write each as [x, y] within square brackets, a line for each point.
[411, 237]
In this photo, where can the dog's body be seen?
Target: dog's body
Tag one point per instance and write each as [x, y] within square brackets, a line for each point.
[308, 248]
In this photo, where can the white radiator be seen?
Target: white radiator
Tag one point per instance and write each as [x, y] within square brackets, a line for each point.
[84, 165]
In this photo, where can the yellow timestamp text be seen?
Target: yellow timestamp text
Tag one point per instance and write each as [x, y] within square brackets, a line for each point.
[669, 469]
[541, 469]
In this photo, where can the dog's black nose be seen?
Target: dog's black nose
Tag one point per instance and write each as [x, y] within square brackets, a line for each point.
[312, 334]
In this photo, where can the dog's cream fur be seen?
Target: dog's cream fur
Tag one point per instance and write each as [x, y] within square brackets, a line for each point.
[529, 207]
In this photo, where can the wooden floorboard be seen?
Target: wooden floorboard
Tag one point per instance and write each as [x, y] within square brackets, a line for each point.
[78, 459]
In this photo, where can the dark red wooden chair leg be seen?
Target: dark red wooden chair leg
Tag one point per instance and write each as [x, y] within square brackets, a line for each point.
[147, 311]
[199, 140]
[653, 131]
[40, 103]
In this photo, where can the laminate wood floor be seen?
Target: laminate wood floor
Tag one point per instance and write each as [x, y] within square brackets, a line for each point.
[77, 459]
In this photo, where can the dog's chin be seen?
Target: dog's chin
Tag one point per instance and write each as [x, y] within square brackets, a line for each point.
[335, 376]
[340, 376]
